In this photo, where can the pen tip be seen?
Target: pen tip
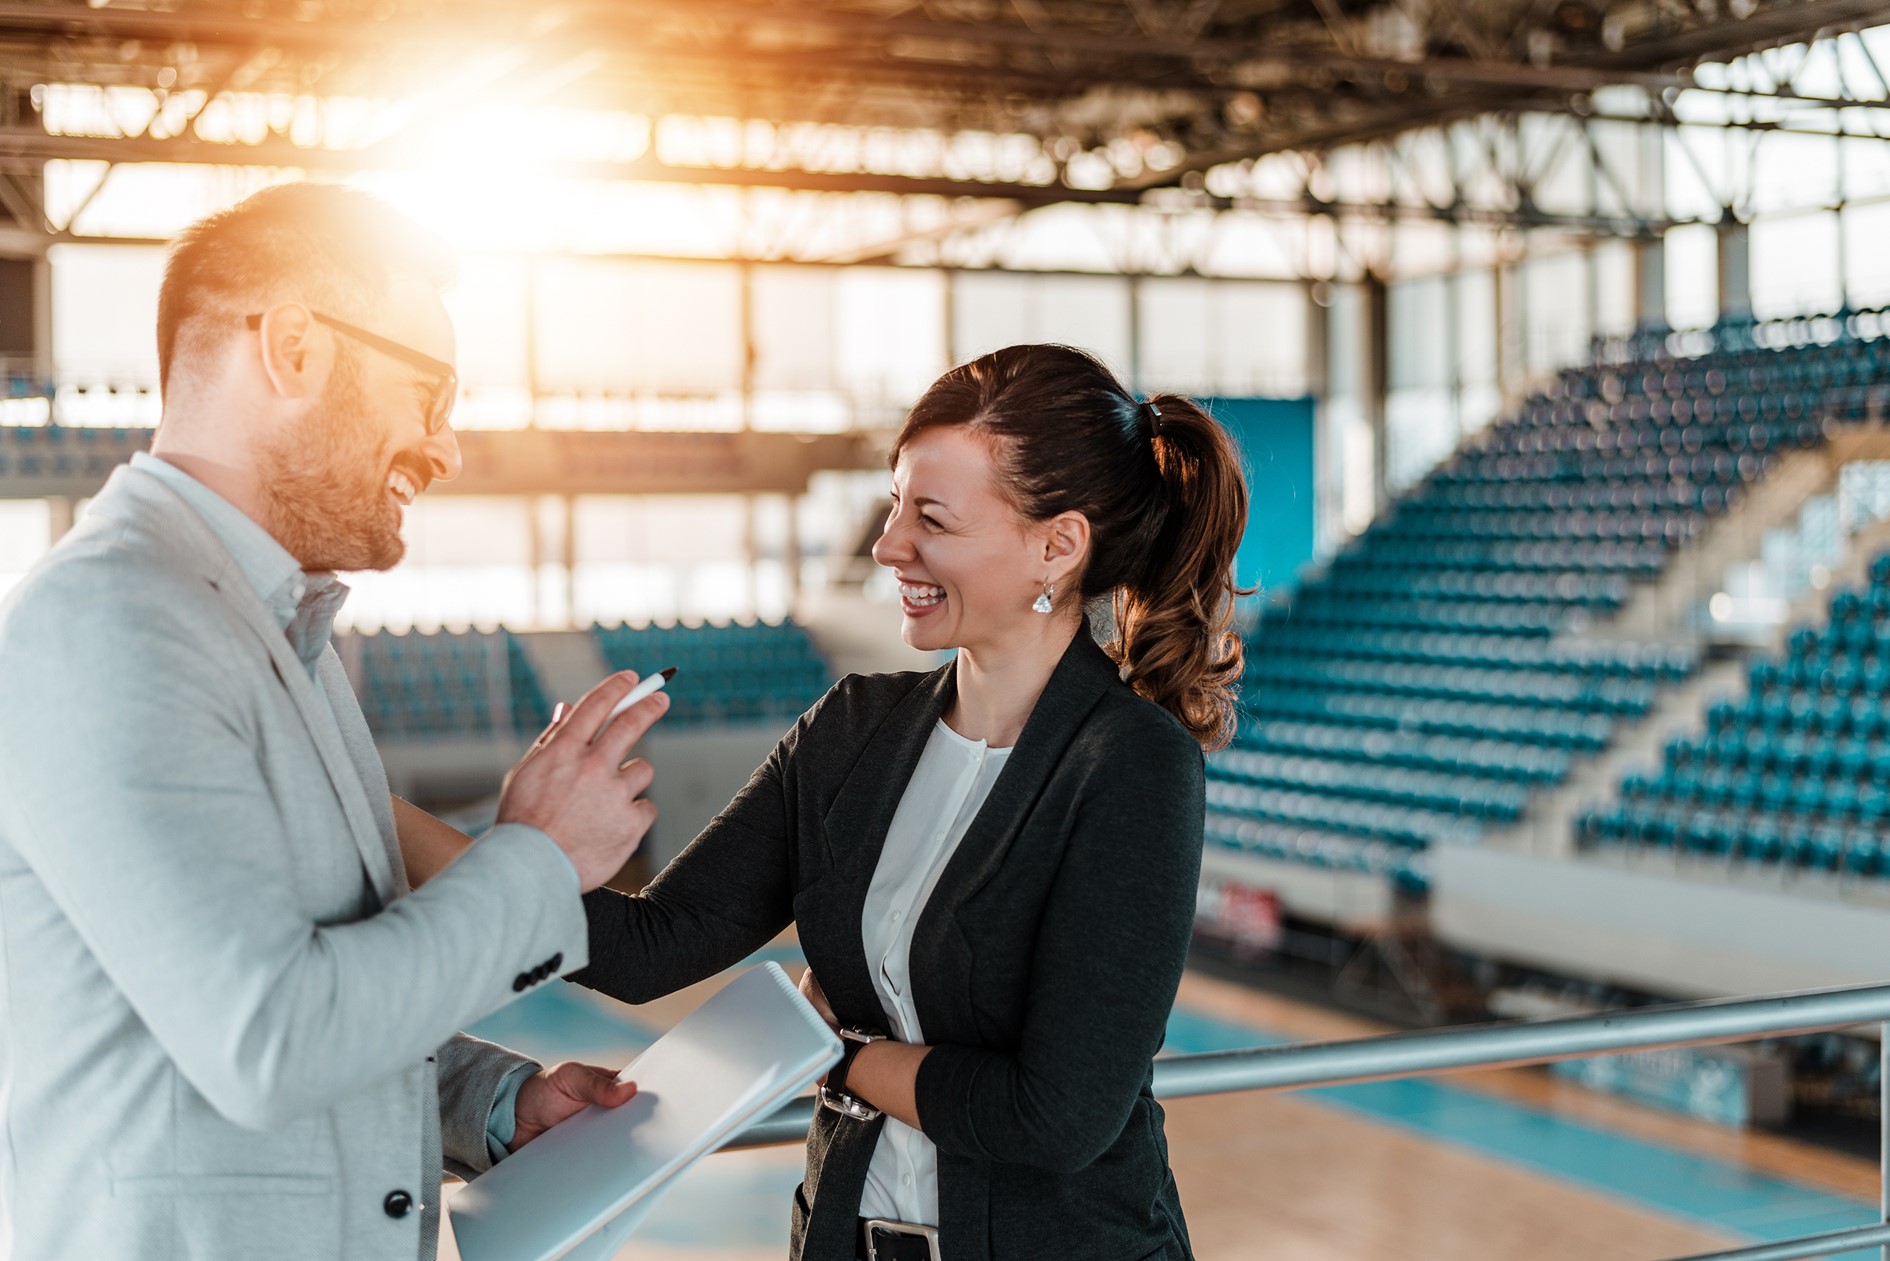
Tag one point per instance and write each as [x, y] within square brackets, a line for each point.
[668, 672]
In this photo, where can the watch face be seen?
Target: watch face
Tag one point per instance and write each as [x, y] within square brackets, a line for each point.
[847, 1105]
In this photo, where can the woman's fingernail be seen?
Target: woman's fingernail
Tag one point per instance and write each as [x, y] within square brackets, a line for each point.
[557, 713]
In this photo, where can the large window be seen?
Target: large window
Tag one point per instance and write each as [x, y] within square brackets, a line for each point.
[104, 302]
[992, 310]
[1222, 337]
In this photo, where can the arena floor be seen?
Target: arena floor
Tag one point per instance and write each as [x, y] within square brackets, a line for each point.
[1508, 1165]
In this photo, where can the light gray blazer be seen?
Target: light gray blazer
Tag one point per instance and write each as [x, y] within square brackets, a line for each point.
[227, 1025]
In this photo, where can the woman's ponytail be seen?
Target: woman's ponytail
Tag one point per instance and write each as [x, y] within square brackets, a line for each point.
[1175, 617]
[1161, 487]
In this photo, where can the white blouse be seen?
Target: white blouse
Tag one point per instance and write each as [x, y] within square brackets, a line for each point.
[950, 783]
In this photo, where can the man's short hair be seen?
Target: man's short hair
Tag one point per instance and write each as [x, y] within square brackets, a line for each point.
[332, 247]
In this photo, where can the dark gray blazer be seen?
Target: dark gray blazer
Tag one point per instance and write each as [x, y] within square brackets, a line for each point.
[1043, 966]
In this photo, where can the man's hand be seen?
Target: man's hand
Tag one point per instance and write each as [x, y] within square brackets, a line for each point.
[578, 786]
[551, 1095]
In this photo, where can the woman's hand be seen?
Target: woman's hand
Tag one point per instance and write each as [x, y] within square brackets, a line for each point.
[810, 990]
[884, 1073]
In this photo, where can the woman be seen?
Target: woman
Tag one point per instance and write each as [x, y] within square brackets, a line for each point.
[992, 866]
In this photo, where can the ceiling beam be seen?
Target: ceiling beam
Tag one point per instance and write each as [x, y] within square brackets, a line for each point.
[1795, 23]
[972, 217]
[1234, 58]
[30, 145]
[718, 47]
[1007, 201]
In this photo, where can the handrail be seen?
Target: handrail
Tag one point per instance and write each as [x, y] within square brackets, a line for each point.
[1313, 1064]
[1309, 1065]
[1804, 1246]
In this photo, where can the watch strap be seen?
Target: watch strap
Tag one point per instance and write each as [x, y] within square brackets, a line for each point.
[837, 1075]
[852, 1039]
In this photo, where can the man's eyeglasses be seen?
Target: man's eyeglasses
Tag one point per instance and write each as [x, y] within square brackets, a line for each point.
[446, 389]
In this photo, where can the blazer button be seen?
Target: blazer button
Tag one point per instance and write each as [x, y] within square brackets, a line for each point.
[397, 1204]
[521, 982]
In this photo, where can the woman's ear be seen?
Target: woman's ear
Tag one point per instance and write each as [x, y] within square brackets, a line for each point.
[1065, 545]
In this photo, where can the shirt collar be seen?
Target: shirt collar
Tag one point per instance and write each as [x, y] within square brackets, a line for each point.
[303, 604]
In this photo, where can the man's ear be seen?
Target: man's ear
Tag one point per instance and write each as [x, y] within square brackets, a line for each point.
[291, 359]
[1065, 545]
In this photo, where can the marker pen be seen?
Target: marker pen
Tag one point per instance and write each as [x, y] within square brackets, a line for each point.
[648, 687]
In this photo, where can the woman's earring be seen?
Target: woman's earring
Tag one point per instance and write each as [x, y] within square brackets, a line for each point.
[1042, 603]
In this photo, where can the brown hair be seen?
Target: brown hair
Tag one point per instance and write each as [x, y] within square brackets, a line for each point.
[333, 247]
[1161, 485]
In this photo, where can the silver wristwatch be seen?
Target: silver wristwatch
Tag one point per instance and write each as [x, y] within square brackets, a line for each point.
[833, 1095]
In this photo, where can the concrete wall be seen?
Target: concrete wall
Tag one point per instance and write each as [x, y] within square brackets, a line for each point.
[1351, 900]
[1688, 931]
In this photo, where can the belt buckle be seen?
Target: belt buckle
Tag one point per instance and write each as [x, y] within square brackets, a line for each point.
[927, 1233]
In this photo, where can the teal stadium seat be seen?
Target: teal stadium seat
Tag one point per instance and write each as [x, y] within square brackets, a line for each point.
[1796, 770]
[759, 673]
[445, 685]
[1436, 675]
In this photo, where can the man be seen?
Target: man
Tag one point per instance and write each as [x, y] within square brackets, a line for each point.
[227, 1023]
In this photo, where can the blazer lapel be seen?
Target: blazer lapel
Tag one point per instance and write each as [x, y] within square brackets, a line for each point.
[1080, 680]
[358, 743]
[137, 496]
[829, 909]
[313, 709]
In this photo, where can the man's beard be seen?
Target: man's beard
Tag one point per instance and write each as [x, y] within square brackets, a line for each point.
[326, 498]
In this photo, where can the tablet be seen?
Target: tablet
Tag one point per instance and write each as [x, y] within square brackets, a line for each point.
[752, 1047]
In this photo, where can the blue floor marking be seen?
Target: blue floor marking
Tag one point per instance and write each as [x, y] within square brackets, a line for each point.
[567, 1022]
[1702, 1190]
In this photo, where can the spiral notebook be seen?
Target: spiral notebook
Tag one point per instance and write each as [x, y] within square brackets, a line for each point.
[578, 1190]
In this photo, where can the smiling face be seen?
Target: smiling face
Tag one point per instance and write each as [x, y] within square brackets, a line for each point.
[338, 485]
[968, 564]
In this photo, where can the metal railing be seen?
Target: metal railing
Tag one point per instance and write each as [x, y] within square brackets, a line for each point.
[1307, 1065]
